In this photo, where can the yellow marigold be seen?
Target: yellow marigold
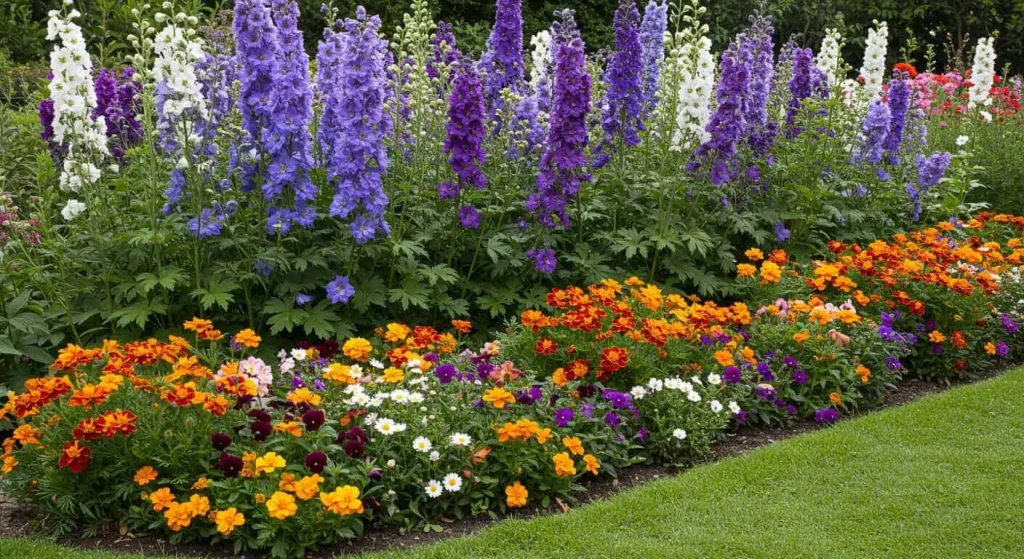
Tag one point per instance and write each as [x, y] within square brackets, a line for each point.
[936, 337]
[307, 487]
[754, 254]
[293, 428]
[200, 484]
[634, 281]
[543, 435]
[198, 325]
[338, 373]
[499, 397]
[745, 270]
[724, 358]
[259, 498]
[516, 495]
[269, 462]
[26, 435]
[281, 506]
[393, 375]
[864, 373]
[198, 505]
[342, 501]
[228, 520]
[396, 332]
[248, 338]
[835, 398]
[161, 499]
[911, 267]
[564, 466]
[990, 348]
[770, 272]
[178, 515]
[10, 462]
[593, 466]
[801, 337]
[304, 396]
[287, 482]
[145, 475]
[574, 445]
[357, 349]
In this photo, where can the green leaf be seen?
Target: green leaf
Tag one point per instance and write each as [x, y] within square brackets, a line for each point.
[439, 273]
[219, 293]
[169, 277]
[139, 312]
[284, 317]
[320, 321]
[15, 305]
[37, 354]
[412, 294]
[6, 347]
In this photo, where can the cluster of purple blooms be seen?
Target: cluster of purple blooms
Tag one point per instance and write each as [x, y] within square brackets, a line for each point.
[622, 106]
[466, 130]
[652, 39]
[502, 64]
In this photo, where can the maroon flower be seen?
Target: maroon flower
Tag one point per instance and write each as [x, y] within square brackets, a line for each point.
[316, 461]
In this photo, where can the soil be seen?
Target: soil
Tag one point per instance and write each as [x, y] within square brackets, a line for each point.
[16, 521]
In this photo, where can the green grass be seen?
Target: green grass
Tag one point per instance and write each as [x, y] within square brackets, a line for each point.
[940, 478]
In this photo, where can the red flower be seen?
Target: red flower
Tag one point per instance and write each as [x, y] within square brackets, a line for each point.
[905, 67]
[89, 429]
[181, 396]
[75, 457]
[546, 346]
[118, 421]
[613, 359]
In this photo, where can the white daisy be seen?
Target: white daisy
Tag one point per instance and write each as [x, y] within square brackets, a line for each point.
[416, 398]
[433, 489]
[460, 439]
[422, 444]
[452, 482]
[714, 379]
[655, 384]
[685, 387]
[400, 396]
[385, 426]
[673, 383]
[692, 396]
[299, 354]
[716, 406]
[355, 371]
[638, 392]
[679, 434]
[400, 427]
[376, 364]
[435, 456]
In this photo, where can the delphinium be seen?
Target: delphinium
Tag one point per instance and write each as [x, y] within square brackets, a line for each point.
[445, 52]
[760, 130]
[286, 137]
[622, 105]
[118, 102]
[829, 58]
[352, 78]
[899, 105]
[800, 86]
[529, 122]
[74, 98]
[466, 130]
[982, 76]
[501, 65]
[563, 164]
[652, 39]
[728, 121]
[257, 53]
[930, 171]
[691, 68]
[872, 71]
[416, 109]
[873, 132]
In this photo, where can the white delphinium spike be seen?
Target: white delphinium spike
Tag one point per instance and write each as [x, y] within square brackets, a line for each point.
[982, 74]
[873, 69]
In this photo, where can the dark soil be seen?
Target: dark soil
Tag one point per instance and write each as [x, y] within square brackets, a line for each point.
[15, 521]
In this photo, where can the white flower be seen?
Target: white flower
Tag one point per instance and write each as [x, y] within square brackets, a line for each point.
[359, 399]
[696, 380]
[435, 456]
[962, 140]
[673, 383]
[416, 398]
[828, 57]
[695, 66]
[390, 463]
[685, 387]
[982, 75]
[734, 407]
[399, 427]
[287, 365]
[355, 371]
[714, 379]
[541, 57]
[299, 354]
[875, 48]
[692, 396]
[72, 209]
[460, 439]
[638, 392]
[422, 444]
[375, 401]
[716, 406]
[386, 426]
[376, 364]
[679, 434]
[414, 364]
[434, 489]
[452, 483]
[655, 384]
[400, 396]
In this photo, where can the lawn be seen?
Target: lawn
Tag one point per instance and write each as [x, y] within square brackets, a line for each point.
[937, 478]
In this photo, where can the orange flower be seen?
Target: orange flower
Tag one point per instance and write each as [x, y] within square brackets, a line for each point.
[801, 337]
[463, 326]
[754, 254]
[516, 495]
[593, 466]
[613, 359]
[357, 349]
[90, 395]
[282, 506]
[228, 520]
[936, 337]
[990, 348]
[343, 501]
[864, 373]
[393, 375]
[573, 444]
[545, 346]
[304, 396]
[178, 515]
[248, 338]
[745, 270]
[198, 325]
[770, 272]
[9, 463]
[724, 358]
[26, 435]
[291, 427]
[145, 474]
[75, 457]
[161, 499]
[564, 466]
[499, 397]
[200, 484]
[307, 487]
[396, 332]
[198, 505]
[211, 335]
[835, 398]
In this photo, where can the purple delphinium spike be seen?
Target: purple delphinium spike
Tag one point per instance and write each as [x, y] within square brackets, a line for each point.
[562, 167]
[445, 53]
[623, 103]
[799, 87]
[759, 129]
[728, 121]
[501, 65]
[652, 39]
[117, 101]
[873, 134]
[256, 46]
[466, 130]
[899, 104]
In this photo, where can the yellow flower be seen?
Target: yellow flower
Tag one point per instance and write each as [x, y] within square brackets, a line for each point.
[269, 462]
[573, 444]
[161, 499]
[801, 337]
[304, 396]
[357, 349]
[564, 466]
[228, 520]
[9, 463]
[200, 484]
[248, 338]
[287, 483]
[281, 506]
[396, 332]
[291, 427]
[754, 254]
[199, 505]
[499, 397]
[770, 272]
[393, 375]
[516, 495]
[343, 501]
[145, 475]
[178, 515]
[307, 487]
[339, 373]
[593, 466]
[745, 270]
[260, 498]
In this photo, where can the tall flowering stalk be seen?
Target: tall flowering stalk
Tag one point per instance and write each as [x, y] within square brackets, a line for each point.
[760, 130]
[74, 100]
[828, 59]
[445, 52]
[899, 105]
[466, 130]
[562, 167]
[872, 72]
[692, 69]
[800, 86]
[652, 39]
[982, 75]
[930, 171]
[118, 103]
[502, 64]
[352, 76]
[257, 52]
[728, 122]
[529, 123]
[622, 106]
[873, 133]
[286, 137]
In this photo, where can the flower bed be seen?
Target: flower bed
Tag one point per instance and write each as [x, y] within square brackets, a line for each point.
[199, 438]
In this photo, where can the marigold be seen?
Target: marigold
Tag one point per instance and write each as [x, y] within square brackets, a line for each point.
[564, 465]
[228, 520]
[393, 375]
[9, 463]
[248, 338]
[304, 395]
[90, 395]
[75, 457]
[161, 499]
[342, 501]
[357, 349]
[293, 428]
[990, 348]
[198, 505]
[281, 506]
[269, 462]
[936, 337]
[724, 358]
[200, 484]
[145, 474]
[516, 495]
[754, 254]
[198, 325]
[26, 435]
[801, 337]
[178, 515]
[864, 373]
[307, 487]
[835, 398]
[593, 466]
[462, 326]
[574, 445]
[396, 332]
[545, 346]
[499, 397]
[745, 270]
